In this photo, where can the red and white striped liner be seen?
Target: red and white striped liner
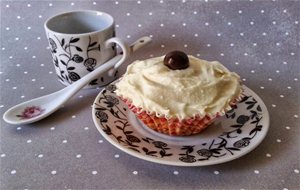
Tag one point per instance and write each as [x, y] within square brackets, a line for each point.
[174, 126]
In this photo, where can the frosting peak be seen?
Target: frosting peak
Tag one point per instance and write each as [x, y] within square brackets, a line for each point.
[202, 88]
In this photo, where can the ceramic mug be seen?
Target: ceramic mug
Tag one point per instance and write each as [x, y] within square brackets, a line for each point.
[80, 41]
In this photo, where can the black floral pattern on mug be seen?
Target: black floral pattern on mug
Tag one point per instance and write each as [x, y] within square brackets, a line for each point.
[90, 64]
[69, 51]
[53, 45]
[73, 76]
[76, 58]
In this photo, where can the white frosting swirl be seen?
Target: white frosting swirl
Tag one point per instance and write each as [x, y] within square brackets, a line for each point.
[202, 88]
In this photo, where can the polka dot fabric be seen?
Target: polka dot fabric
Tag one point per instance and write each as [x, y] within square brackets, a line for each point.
[257, 39]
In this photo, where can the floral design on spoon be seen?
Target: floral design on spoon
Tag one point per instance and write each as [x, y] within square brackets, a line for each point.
[31, 112]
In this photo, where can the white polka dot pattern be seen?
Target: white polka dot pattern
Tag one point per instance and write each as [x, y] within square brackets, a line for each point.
[258, 40]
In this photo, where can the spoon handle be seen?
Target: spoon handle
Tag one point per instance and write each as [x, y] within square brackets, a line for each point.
[51, 102]
[106, 66]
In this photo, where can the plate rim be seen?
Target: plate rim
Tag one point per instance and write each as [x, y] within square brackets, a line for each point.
[172, 163]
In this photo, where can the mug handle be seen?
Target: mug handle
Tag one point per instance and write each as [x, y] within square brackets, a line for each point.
[125, 50]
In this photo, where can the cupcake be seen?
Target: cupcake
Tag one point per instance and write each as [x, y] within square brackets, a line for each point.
[177, 94]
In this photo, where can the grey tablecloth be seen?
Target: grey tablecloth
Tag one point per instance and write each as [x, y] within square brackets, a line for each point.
[257, 39]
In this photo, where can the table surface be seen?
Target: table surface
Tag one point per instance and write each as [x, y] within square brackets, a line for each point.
[257, 39]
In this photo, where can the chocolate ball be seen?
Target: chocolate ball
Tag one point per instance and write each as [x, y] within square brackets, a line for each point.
[176, 60]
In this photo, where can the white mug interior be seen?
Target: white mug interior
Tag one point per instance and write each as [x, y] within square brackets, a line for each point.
[79, 22]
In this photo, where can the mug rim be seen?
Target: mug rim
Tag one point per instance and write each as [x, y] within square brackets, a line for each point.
[79, 11]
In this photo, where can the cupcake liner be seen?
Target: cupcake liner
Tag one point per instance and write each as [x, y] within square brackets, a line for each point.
[176, 127]
[173, 126]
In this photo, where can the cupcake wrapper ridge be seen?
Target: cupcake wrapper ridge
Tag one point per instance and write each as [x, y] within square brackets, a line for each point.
[173, 126]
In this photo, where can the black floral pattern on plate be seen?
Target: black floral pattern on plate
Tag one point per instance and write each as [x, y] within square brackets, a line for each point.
[227, 143]
[109, 104]
[219, 146]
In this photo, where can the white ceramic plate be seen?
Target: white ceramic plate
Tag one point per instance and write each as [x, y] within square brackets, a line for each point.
[229, 137]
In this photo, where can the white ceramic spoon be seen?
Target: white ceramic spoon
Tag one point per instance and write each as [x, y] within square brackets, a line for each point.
[42, 107]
